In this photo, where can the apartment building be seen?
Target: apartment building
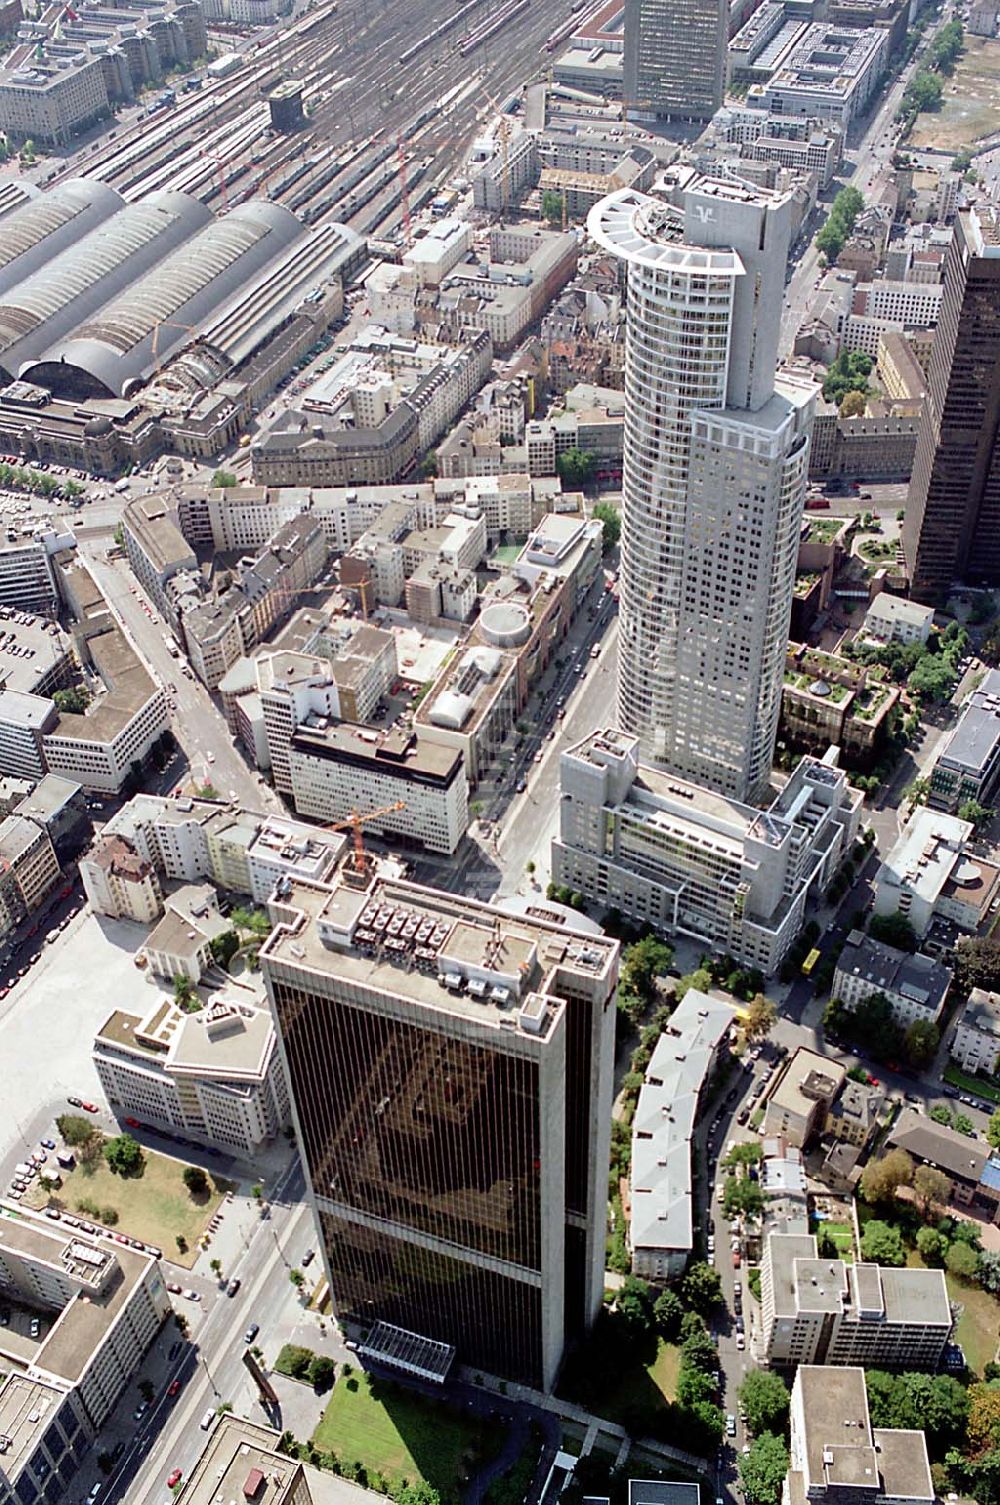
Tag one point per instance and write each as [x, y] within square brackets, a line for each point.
[47, 1440]
[450, 1071]
[661, 1189]
[689, 861]
[893, 619]
[263, 592]
[975, 1045]
[420, 786]
[798, 1105]
[28, 575]
[241, 1460]
[102, 747]
[100, 1306]
[180, 944]
[189, 840]
[27, 854]
[368, 419]
[156, 548]
[119, 883]
[837, 1453]
[970, 1170]
[914, 986]
[823, 1311]
[215, 1076]
[24, 721]
[968, 765]
[930, 872]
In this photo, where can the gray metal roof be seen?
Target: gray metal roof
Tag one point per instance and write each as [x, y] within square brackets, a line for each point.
[973, 743]
[46, 224]
[237, 329]
[112, 351]
[75, 283]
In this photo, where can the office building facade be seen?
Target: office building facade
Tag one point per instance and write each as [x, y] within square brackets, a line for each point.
[675, 58]
[690, 862]
[714, 476]
[952, 526]
[451, 1077]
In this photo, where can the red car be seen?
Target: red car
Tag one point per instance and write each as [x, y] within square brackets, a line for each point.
[736, 1259]
[90, 1107]
[133, 1123]
[174, 1388]
[174, 1478]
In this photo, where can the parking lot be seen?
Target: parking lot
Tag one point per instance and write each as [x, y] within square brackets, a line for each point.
[48, 1022]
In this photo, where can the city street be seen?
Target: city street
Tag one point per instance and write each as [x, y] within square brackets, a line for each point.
[872, 155]
[195, 720]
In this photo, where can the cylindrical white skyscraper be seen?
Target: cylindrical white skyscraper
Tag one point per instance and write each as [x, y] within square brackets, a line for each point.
[713, 481]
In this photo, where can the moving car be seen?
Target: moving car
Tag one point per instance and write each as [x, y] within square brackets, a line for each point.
[174, 1478]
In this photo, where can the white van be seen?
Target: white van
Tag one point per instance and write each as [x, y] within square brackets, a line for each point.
[207, 1420]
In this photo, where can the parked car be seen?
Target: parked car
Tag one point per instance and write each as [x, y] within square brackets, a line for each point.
[233, 1286]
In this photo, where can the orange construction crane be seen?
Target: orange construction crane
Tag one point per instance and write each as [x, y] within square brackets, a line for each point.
[357, 823]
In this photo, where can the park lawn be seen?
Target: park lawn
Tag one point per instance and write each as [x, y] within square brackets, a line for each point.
[402, 1435]
[646, 1388]
[976, 1329]
[842, 1236]
[154, 1207]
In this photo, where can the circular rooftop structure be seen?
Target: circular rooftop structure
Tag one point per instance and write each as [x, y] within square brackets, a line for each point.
[819, 687]
[505, 624]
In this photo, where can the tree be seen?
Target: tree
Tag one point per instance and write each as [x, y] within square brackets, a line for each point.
[694, 1385]
[73, 701]
[893, 930]
[932, 1246]
[980, 815]
[668, 1312]
[764, 1401]
[920, 1042]
[184, 991]
[873, 1025]
[742, 1196]
[962, 1261]
[993, 1129]
[321, 1372]
[124, 1155]
[882, 1244]
[195, 1179]
[215, 1265]
[839, 223]
[747, 1152]
[930, 1186]
[977, 964]
[989, 1271]
[295, 1360]
[982, 1430]
[698, 1351]
[74, 1129]
[763, 1470]
[224, 947]
[575, 467]
[552, 206]
[759, 1018]
[853, 405]
[610, 520]
[224, 478]
[701, 1287]
[932, 679]
[923, 92]
[634, 1305]
[297, 1278]
[420, 1493]
[182, 1244]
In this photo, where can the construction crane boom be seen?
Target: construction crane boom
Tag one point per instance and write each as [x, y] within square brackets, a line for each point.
[357, 822]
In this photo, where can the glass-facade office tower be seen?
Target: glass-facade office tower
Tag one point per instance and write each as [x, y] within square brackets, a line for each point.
[675, 58]
[952, 526]
[715, 465]
[451, 1078]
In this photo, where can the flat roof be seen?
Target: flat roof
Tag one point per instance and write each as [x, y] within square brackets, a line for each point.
[26, 1407]
[806, 1066]
[396, 751]
[80, 1328]
[480, 963]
